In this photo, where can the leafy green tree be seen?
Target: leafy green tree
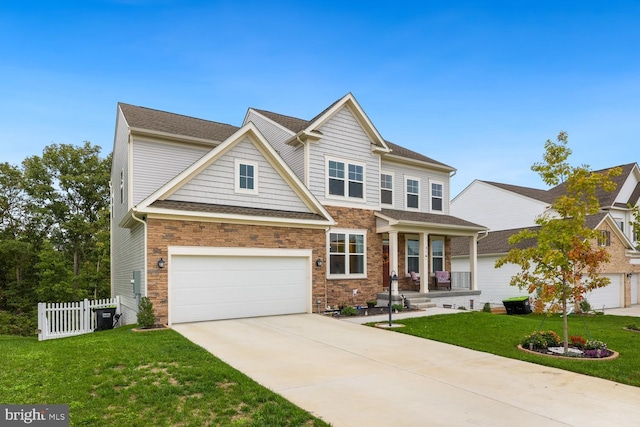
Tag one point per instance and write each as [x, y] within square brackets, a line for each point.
[68, 188]
[635, 224]
[563, 266]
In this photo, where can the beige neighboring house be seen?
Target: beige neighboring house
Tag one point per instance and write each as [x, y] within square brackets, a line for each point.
[280, 215]
[506, 209]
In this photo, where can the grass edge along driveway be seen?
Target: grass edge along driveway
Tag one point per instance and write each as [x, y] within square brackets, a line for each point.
[157, 378]
[500, 334]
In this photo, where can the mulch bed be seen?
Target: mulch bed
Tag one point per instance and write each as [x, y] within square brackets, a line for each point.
[544, 352]
[364, 311]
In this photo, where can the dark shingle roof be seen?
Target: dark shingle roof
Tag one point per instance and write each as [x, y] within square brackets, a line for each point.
[406, 153]
[533, 193]
[235, 210]
[497, 242]
[294, 124]
[428, 218]
[175, 124]
[606, 198]
[635, 196]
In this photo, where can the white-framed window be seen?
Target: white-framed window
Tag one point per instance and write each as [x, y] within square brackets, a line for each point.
[345, 179]
[436, 196]
[347, 253]
[246, 177]
[437, 254]
[386, 188]
[605, 238]
[413, 254]
[620, 224]
[412, 186]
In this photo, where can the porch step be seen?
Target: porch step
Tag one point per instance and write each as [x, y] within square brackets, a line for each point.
[415, 300]
[420, 303]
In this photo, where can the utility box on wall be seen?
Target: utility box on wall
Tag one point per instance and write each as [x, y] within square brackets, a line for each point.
[136, 282]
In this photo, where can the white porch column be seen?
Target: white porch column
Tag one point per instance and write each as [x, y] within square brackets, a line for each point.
[393, 259]
[424, 256]
[473, 260]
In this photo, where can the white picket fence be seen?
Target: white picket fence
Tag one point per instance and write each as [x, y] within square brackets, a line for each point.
[65, 319]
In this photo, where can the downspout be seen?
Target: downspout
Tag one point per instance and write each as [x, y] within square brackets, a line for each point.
[144, 224]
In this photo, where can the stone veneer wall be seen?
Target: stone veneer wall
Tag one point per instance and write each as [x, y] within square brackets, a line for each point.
[163, 233]
[340, 291]
[619, 263]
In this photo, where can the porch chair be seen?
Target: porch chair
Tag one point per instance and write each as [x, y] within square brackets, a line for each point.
[443, 280]
[415, 279]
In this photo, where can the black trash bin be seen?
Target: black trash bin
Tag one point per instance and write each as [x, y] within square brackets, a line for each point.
[517, 305]
[104, 318]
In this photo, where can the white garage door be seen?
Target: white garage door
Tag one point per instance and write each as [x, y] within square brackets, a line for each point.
[237, 283]
[608, 297]
[634, 289]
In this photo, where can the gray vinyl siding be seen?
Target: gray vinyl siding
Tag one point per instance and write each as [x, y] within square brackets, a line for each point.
[216, 184]
[156, 163]
[344, 139]
[277, 135]
[426, 176]
[127, 245]
[120, 163]
[127, 257]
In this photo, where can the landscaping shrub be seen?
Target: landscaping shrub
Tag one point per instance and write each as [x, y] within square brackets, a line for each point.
[541, 339]
[486, 307]
[348, 311]
[18, 324]
[146, 318]
[397, 307]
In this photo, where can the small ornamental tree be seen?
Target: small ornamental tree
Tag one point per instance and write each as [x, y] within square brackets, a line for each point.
[146, 318]
[564, 263]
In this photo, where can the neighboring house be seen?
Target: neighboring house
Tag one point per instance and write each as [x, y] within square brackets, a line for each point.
[280, 215]
[506, 209]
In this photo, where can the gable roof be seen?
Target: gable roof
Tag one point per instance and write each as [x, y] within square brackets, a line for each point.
[157, 201]
[147, 120]
[606, 198]
[532, 193]
[497, 242]
[297, 126]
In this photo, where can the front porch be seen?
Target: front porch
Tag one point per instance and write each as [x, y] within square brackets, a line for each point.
[417, 247]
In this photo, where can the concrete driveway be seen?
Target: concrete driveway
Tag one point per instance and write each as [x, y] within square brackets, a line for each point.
[353, 375]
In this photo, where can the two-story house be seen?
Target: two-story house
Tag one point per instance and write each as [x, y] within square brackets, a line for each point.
[280, 215]
[505, 209]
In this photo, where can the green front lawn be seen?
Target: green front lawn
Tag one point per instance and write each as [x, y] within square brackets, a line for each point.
[500, 334]
[122, 378]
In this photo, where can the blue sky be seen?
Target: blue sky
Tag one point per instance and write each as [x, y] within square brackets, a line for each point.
[479, 85]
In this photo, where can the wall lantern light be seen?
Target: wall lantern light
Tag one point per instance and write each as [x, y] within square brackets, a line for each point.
[319, 262]
[160, 263]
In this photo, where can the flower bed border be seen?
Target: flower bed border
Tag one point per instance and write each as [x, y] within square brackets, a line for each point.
[614, 355]
[631, 330]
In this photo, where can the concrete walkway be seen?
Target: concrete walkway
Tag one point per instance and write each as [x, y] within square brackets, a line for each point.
[353, 375]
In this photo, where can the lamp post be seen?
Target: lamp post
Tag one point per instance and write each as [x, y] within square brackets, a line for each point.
[393, 283]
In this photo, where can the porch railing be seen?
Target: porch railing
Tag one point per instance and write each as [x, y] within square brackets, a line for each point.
[65, 319]
[461, 279]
